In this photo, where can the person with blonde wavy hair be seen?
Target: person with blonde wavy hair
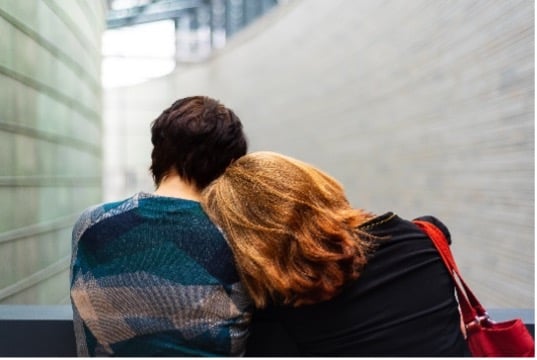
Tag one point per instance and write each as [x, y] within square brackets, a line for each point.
[340, 281]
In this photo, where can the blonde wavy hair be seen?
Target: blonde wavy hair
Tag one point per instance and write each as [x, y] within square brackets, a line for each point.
[291, 228]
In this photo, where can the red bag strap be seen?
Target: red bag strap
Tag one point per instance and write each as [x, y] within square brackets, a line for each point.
[472, 310]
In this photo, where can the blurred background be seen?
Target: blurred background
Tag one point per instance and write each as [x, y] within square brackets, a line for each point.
[416, 106]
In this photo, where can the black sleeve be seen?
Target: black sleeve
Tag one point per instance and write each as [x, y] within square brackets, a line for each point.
[438, 224]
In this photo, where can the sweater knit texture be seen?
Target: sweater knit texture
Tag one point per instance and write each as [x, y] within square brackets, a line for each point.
[152, 276]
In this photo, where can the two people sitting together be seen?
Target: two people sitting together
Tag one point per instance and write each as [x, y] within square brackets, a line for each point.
[230, 240]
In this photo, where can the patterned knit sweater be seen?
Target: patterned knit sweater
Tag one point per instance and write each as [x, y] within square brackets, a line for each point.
[152, 276]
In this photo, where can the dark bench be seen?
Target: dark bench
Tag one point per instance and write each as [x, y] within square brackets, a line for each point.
[47, 331]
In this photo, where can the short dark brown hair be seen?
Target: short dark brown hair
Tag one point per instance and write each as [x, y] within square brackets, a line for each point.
[197, 137]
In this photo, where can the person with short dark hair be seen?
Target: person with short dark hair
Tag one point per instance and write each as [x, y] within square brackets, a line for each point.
[151, 275]
[339, 281]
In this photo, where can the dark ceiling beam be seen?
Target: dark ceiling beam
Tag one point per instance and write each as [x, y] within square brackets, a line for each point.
[153, 11]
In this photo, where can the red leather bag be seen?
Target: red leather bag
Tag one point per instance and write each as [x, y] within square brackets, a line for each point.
[485, 337]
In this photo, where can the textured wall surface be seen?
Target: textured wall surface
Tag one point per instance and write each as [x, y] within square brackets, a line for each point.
[50, 140]
[417, 106]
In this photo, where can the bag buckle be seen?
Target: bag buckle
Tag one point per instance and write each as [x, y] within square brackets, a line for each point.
[478, 321]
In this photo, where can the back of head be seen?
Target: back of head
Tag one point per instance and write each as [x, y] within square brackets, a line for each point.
[290, 226]
[197, 138]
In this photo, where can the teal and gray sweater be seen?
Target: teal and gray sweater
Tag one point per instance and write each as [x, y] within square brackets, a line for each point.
[152, 276]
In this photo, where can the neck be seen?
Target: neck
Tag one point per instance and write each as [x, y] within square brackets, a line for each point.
[174, 186]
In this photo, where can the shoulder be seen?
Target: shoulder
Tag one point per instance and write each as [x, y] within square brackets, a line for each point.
[97, 213]
[390, 224]
[439, 224]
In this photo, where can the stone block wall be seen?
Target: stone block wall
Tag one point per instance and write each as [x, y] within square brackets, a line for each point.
[416, 106]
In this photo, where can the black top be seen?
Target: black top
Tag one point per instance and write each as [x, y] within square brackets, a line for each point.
[403, 304]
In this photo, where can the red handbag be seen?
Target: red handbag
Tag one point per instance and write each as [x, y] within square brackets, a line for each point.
[485, 337]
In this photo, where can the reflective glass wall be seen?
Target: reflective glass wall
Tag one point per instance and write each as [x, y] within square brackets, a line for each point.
[50, 136]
